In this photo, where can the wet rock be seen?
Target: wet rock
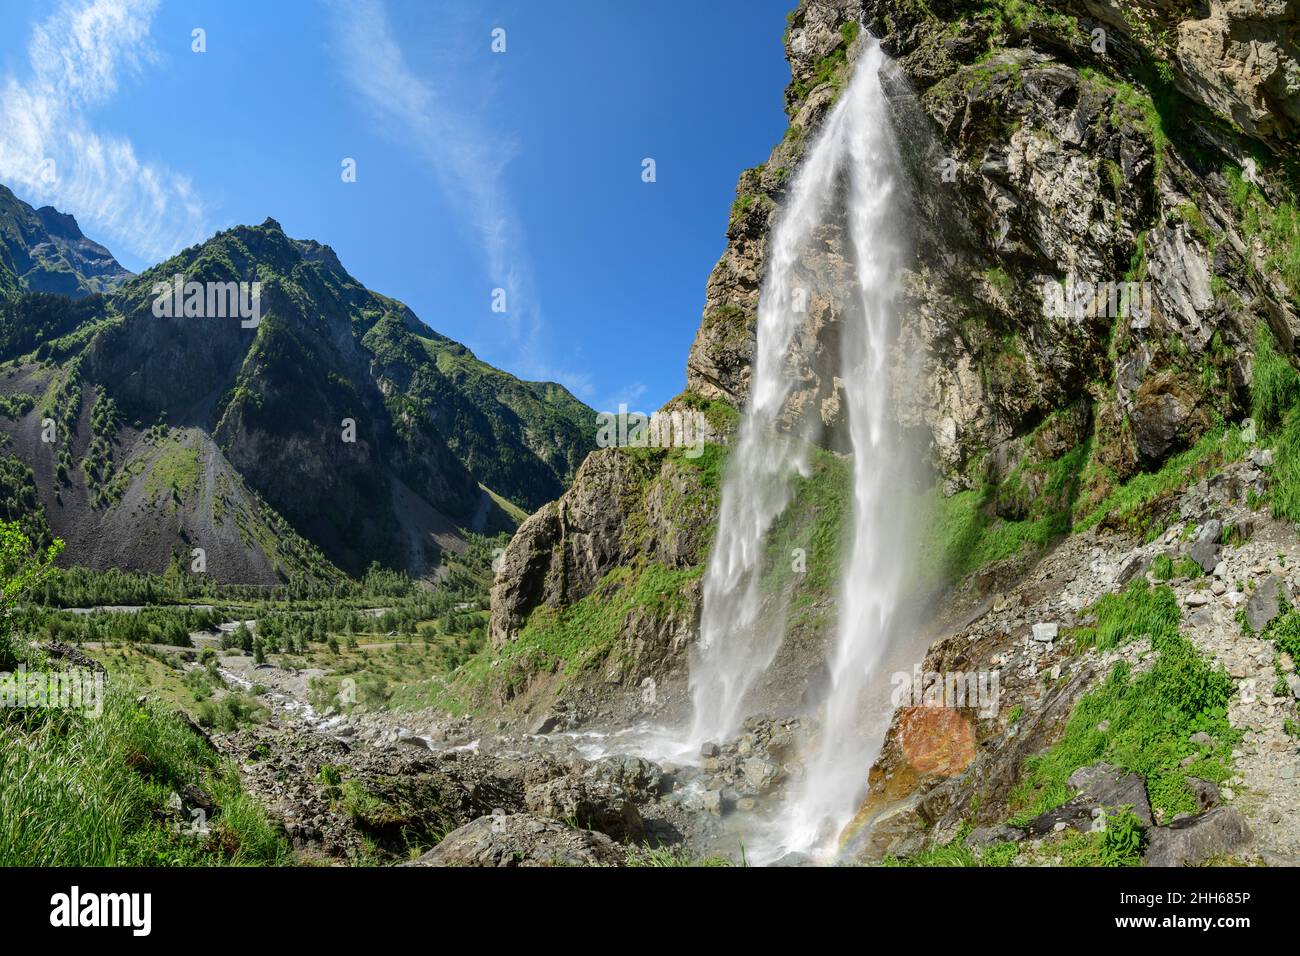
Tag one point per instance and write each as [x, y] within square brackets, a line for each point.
[1194, 840]
[710, 801]
[640, 778]
[795, 859]
[521, 840]
[545, 724]
[759, 774]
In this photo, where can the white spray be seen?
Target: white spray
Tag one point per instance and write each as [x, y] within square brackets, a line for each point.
[856, 147]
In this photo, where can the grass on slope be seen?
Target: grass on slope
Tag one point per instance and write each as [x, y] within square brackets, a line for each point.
[94, 791]
[1141, 722]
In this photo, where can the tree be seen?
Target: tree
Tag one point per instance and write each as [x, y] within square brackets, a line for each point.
[23, 567]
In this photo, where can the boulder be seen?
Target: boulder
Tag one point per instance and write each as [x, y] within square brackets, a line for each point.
[641, 779]
[1194, 840]
[986, 836]
[1101, 787]
[521, 839]
[588, 803]
[1205, 553]
[1046, 633]
[1265, 603]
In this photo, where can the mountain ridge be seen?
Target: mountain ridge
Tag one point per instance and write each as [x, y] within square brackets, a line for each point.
[374, 437]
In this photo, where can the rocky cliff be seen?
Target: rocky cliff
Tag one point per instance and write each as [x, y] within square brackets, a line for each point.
[1154, 151]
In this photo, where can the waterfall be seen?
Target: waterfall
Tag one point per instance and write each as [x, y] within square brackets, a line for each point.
[848, 180]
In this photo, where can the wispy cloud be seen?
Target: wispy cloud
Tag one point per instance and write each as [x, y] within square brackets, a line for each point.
[629, 395]
[50, 151]
[468, 160]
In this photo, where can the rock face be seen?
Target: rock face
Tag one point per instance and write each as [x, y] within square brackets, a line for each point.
[631, 517]
[1063, 165]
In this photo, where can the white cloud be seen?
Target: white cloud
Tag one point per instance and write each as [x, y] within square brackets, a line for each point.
[77, 57]
[468, 160]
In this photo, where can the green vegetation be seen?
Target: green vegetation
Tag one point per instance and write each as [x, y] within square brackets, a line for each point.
[1129, 505]
[829, 69]
[23, 567]
[79, 790]
[1147, 107]
[955, 853]
[1120, 844]
[749, 192]
[174, 472]
[1000, 281]
[583, 634]
[722, 417]
[963, 532]
[1275, 403]
[805, 547]
[524, 440]
[1284, 631]
[16, 405]
[1020, 15]
[670, 857]
[1274, 223]
[98, 463]
[37, 324]
[96, 785]
[1140, 721]
[1137, 611]
[21, 502]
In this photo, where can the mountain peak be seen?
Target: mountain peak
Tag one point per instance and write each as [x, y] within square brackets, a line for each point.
[46, 251]
[60, 224]
[272, 224]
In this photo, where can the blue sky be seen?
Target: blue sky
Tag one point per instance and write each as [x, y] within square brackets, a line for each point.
[475, 170]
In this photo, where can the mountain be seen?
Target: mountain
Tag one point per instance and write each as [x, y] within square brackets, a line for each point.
[45, 251]
[336, 431]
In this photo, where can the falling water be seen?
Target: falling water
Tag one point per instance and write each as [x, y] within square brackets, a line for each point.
[849, 181]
